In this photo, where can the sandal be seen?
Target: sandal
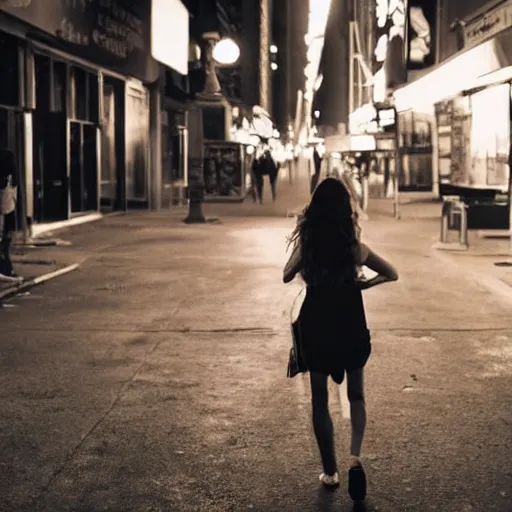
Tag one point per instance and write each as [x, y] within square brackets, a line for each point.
[330, 480]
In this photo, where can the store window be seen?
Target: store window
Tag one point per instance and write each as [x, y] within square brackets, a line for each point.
[79, 77]
[137, 133]
[84, 100]
[490, 137]
[9, 67]
[59, 86]
[416, 147]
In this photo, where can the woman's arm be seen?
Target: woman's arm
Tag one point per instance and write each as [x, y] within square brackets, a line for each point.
[293, 265]
[385, 271]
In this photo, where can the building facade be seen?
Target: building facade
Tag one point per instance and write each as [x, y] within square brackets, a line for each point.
[79, 106]
[463, 100]
[289, 27]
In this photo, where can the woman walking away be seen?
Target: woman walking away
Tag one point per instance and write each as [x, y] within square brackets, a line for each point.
[334, 337]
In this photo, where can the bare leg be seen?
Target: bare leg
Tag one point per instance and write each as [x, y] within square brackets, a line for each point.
[322, 422]
[259, 188]
[355, 391]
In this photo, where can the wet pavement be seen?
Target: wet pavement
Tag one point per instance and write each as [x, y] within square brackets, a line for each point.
[153, 378]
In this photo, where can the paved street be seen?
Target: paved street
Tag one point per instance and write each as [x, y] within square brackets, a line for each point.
[153, 378]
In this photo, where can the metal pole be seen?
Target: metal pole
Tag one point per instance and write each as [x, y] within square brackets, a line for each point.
[398, 164]
[351, 69]
[463, 225]
[510, 190]
[444, 223]
[195, 156]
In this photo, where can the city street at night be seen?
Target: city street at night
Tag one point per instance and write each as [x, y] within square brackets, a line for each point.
[153, 378]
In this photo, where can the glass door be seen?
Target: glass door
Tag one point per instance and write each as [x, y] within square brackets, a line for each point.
[83, 167]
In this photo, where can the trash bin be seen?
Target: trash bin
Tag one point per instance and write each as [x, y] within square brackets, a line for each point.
[454, 218]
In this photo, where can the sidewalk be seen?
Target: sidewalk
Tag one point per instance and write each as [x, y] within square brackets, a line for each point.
[487, 259]
[154, 378]
[419, 225]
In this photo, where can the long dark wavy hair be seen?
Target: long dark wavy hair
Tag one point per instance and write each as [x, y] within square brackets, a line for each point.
[326, 231]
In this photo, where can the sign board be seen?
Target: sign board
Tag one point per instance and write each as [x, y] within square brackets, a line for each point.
[371, 119]
[387, 144]
[224, 171]
[169, 34]
[488, 25]
[111, 33]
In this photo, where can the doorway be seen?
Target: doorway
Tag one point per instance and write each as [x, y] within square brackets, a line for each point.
[49, 146]
[112, 186]
[83, 166]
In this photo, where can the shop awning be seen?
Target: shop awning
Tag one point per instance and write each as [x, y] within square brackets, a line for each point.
[468, 69]
[359, 143]
[349, 143]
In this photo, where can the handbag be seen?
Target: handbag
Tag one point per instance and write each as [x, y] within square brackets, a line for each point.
[296, 360]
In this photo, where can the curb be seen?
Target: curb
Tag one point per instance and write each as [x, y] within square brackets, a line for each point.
[14, 290]
[66, 225]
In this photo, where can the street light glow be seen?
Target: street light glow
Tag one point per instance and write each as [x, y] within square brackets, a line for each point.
[273, 48]
[273, 66]
[226, 51]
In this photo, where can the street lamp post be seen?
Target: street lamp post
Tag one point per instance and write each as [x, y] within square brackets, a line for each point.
[212, 89]
[218, 51]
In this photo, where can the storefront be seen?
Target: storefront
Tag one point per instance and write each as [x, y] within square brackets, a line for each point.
[370, 147]
[252, 127]
[173, 118]
[415, 146]
[473, 131]
[170, 46]
[81, 69]
[463, 107]
[12, 102]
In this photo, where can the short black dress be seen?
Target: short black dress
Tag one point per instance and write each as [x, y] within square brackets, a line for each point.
[334, 336]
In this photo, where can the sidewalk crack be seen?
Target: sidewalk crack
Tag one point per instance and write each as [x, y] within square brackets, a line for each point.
[36, 500]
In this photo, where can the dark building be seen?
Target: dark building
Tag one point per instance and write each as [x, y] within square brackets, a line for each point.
[75, 104]
[289, 28]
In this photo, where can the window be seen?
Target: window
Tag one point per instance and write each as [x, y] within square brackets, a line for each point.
[80, 94]
[84, 95]
[9, 68]
[59, 86]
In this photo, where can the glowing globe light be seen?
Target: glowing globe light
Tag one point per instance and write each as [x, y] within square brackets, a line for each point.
[226, 51]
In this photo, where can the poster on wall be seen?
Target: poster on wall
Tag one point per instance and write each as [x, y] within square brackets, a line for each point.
[224, 171]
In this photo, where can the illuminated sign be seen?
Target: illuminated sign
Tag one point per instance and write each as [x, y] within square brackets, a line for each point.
[421, 33]
[169, 34]
[370, 119]
[390, 28]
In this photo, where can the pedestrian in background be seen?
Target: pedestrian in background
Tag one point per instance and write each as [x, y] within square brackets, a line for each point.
[334, 337]
[264, 165]
[8, 199]
[273, 170]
